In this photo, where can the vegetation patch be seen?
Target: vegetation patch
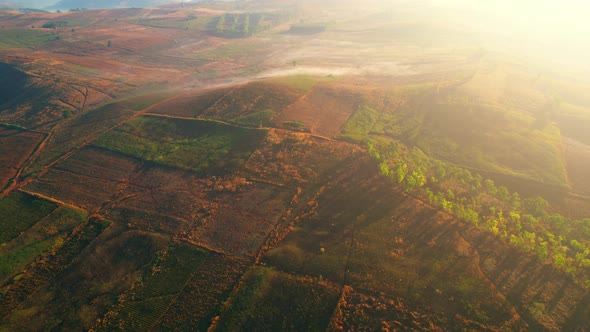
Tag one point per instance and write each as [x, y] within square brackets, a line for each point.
[251, 98]
[19, 211]
[480, 136]
[55, 24]
[232, 25]
[47, 234]
[19, 38]
[202, 297]
[359, 125]
[157, 290]
[257, 119]
[195, 145]
[300, 82]
[85, 289]
[525, 223]
[269, 300]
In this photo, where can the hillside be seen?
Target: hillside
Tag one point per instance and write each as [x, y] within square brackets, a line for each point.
[206, 167]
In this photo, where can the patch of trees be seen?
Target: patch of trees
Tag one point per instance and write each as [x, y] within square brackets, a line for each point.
[55, 24]
[523, 223]
[243, 25]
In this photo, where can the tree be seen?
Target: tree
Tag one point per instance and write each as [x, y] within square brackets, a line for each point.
[220, 24]
[489, 187]
[401, 173]
[536, 206]
[246, 30]
[109, 43]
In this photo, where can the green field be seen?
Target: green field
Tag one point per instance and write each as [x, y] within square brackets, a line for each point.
[483, 137]
[84, 290]
[19, 38]
[258, 119]
[359, 125]
[200, 146]
[48, 233]
[19, 211]
[479, 136]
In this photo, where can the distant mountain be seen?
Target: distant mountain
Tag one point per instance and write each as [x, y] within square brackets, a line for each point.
[39, 4]
[96, 4]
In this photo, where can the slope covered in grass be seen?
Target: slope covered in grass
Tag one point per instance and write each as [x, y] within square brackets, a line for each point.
[451, 127]
[188, 144]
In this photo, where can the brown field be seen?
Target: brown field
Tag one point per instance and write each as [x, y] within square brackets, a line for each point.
[88, 179]
[202, 298]
[323, 110]
[104, 269]
[15, 149]
[297, 159]
[243, 218]
[192, 103]
[261, 96]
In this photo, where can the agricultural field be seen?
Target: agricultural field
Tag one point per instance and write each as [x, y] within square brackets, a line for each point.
[20, 38]
[171, 295]
[19, 212]
[17, 146]
[45, 235]
[271, 300]
[199, 146]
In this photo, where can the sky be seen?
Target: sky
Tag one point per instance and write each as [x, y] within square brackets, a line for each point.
[558, 30]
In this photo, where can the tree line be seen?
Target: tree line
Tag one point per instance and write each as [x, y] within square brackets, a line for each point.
[525, 223]
[244, 25]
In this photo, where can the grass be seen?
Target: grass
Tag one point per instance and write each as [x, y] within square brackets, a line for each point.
[19, 38]
[19, 211]
[45, 235]
[359, 125]
[18, 258]
[269, 300]
[258, 119]
[480, 136]
[199, 146]
[78, 130]
[301, 82]
[79, 22]
[94, 122]
[91, 284]
[145, 99]
[10, 126]
[230, 51]
[189, 22]
[254, 97]
[293, 125]
[574, 110]
[490, 138]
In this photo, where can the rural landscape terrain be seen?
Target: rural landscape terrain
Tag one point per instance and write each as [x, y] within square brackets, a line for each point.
[292, 165]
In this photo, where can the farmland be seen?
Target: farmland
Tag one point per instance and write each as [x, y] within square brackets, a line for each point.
[288, 165]
[200, 146]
